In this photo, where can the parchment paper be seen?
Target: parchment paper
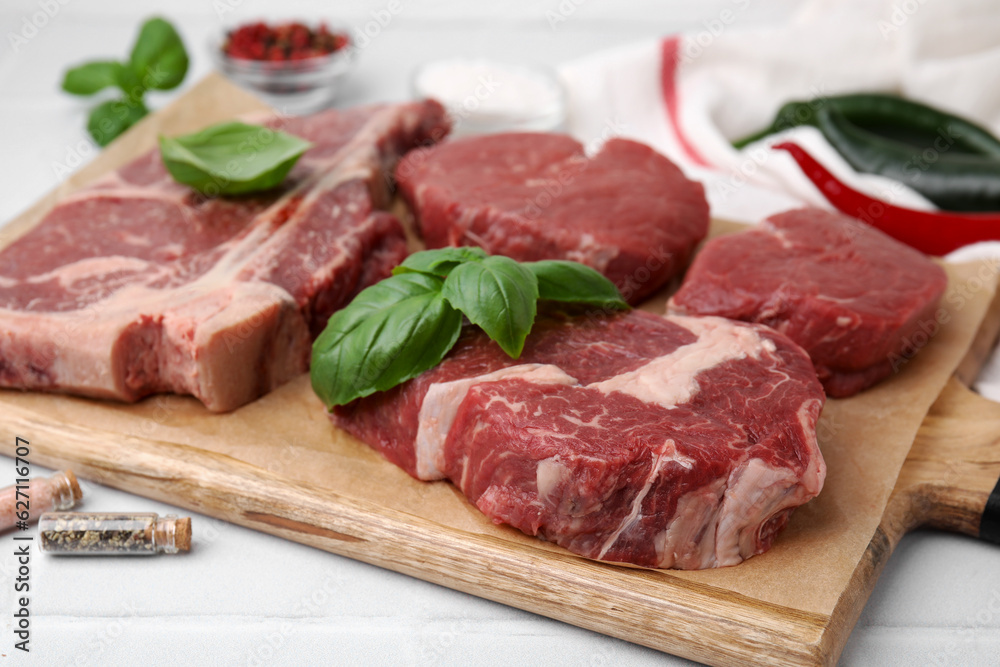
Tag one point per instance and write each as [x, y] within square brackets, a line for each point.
[865, 439]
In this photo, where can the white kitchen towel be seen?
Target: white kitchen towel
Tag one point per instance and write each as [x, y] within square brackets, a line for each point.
[690, 95]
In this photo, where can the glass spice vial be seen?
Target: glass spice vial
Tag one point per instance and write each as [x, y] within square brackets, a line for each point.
[61, 491]
[138, 534]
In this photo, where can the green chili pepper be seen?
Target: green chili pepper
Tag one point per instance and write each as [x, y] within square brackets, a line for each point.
[949, 160]
[953, 181]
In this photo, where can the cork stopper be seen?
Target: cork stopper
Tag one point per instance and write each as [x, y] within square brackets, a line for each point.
[65, 490]
[172, 534]
[74, 486]
[182, 534]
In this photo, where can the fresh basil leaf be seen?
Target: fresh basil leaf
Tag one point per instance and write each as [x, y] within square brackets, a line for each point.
[110, 119]
[232, 158]
[439, 262]
[129, 82]
[559, 280]
[89, 78]
[158, 57]
[391, 332]
[406, 324]
[497, 294]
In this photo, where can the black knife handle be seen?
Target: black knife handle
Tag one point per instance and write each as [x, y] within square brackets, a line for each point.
[989, 527]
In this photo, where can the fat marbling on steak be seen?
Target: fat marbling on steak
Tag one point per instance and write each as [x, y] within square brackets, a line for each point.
[668, 442]
[857, 300]
[627, 211]
[137, 285]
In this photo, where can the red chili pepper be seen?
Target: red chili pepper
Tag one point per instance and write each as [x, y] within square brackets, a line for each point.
[932, 232]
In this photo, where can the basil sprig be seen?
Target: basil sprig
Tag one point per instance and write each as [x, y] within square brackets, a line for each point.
[497, 294]
[232, 158]
[406, 324]
[158, 62]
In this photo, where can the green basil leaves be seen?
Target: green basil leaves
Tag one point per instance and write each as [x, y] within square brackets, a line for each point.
[158, 62]
[571, 281]
[439, 262]
[92, 77]
[158, 56]
[392, 332]
[111, 118]
[406, 324]
[498, 295]
[232, 158]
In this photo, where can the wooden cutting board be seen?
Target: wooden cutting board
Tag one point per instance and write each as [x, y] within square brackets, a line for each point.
[945, 482]
[278, 466]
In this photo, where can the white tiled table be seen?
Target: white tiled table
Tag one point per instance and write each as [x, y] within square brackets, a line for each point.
[244, 598]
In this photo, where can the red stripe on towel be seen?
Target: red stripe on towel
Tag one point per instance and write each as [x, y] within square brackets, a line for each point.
[669, 66]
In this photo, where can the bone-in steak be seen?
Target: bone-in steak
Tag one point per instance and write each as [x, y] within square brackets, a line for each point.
[137, 285]
[858, 301]
[662, 442]
[627, 211]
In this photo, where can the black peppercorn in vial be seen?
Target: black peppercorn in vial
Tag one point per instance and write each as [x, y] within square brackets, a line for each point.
[140, 534]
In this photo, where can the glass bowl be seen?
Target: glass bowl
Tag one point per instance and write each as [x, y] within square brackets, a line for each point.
[291, 87]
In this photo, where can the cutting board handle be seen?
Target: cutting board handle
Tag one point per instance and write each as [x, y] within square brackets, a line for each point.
[950, 480]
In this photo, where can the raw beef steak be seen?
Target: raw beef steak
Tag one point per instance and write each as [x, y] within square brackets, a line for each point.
[138, 285]
[670, 442]
[627, 211]
[854, 298]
